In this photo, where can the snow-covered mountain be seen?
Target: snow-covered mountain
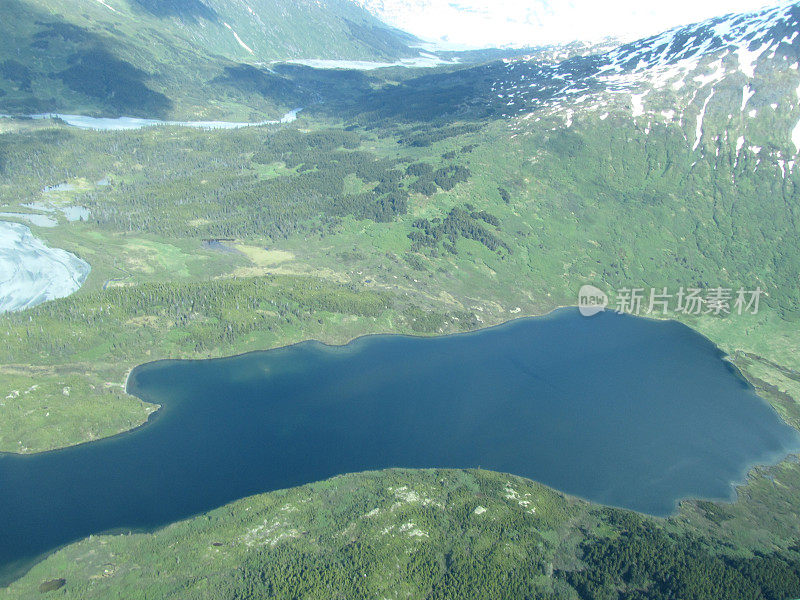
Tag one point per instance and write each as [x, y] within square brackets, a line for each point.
[735, 42]
[742, 69]
[459, 24]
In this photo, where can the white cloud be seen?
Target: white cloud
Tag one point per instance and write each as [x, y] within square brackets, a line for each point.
[486, 23]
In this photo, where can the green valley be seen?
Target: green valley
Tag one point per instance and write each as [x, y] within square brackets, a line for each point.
[409, 201]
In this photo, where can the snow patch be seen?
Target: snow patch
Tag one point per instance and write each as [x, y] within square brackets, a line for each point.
[796, 137]
[238, 39]
[716, 76]
[747, 59]
[637, 105]
[747, 93]
[111, 8]
[700, 118]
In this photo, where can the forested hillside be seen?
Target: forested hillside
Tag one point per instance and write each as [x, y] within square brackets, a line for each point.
[417, 534]
[190, 58]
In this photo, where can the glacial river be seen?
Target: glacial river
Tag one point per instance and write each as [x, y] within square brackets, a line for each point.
[125, 123]
[31, 272]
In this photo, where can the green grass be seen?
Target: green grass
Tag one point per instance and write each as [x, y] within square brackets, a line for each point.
[45, 408]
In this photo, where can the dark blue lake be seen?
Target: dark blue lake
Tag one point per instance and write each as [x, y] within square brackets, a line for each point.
[623, 411]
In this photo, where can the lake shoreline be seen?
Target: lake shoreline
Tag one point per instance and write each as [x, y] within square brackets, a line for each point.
[319, 348]
[132, 366]
[735, 484]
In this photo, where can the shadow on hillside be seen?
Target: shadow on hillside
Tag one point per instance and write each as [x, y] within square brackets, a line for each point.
[295, 85]
[80, 59]
[435, 97]
[391, 43]
[99, 74]
[252, 80]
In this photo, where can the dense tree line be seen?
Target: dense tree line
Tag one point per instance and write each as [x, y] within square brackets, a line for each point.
[449, 177]
[16, 72]
[459, 223]
[431, 321]
[228, 198]
[427, 135]
[421, 170]
[448, 535]
[284, 573]
[209, 314]
[429, 180]
[97, 73]
[637, 560]
[232, 200]
[645, 562]
[239, 184]
[288, 144]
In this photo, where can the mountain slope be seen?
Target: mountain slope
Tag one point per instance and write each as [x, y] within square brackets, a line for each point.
[734, 75]
[153, 58]
[742, 47]
[677, 155]
[260, 30]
